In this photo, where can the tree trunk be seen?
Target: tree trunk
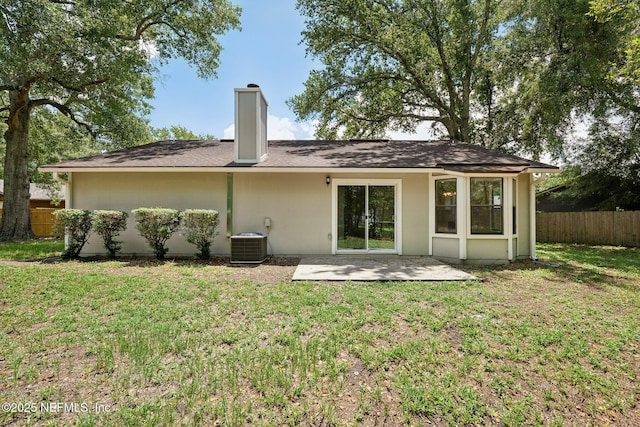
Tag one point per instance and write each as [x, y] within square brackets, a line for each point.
[16, 223]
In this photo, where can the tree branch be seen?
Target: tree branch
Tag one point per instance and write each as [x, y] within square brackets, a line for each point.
[395, 116]
[448, 75]
[83, 86]
[620, 101]
[9, 87]
[482, 34]
[406, 64]
[64, 110]
[150, 20]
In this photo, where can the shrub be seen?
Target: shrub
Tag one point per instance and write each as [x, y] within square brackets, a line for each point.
[109, 224]
[201, 226]
[157, 225]
[76, 225]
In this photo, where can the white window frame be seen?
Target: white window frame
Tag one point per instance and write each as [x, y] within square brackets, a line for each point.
[397, 183]
[464, 211]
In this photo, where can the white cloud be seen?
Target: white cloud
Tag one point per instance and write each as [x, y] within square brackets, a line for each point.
[279, 128]
[149, 48]
[287, 129]
[229, 132]
[423, 132]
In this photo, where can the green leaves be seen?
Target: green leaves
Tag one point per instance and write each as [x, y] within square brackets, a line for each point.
[389, 65]
[157, 225]
[93, 62]
[201, 226]
[76, 225]
[109, 224]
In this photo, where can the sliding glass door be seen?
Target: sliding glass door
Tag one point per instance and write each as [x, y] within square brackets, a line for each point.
[366, 218]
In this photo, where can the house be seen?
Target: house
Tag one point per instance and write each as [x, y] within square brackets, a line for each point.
[454, 201]
[41, 196]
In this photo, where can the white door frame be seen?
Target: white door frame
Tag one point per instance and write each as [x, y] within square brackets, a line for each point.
[397, 184]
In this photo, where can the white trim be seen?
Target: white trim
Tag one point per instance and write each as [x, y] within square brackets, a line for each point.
[249, 169]
[396, 183]
[507, 220]
[283, 169]
[542, 170]
[463, 203]
[432, 212]
[486, 237]
[502, 235]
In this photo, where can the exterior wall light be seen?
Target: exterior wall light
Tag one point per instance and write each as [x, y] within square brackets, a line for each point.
[328, 180]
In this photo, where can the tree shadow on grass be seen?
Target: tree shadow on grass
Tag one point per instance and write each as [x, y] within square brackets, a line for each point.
[587, 267]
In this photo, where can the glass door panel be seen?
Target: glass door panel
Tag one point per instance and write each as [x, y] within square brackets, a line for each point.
[366, 218]
[351, 217]
[381, 218]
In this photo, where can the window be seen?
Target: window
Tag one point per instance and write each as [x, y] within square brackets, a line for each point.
[486, 206]
[446, 194]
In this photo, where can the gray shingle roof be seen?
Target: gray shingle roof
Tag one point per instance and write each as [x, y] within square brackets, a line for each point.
[309, 154]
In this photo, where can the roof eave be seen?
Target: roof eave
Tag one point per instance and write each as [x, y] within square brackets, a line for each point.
[229, 169]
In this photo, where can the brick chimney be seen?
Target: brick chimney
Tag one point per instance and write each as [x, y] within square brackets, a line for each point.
[250, 144]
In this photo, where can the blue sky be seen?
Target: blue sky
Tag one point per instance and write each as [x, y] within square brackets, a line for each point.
[268, 52]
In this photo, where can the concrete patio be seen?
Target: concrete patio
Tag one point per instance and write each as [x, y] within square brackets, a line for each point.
[377, 268]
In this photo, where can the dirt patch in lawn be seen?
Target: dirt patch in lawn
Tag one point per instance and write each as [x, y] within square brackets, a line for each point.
[273, 271]
[366, 398]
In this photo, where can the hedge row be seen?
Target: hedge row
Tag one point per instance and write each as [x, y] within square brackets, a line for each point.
[156, 225]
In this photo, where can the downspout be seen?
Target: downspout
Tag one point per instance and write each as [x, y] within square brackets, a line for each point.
[532, 213]
[229, 205]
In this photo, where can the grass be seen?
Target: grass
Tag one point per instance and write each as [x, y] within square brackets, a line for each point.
[185, 343]
[31, 250]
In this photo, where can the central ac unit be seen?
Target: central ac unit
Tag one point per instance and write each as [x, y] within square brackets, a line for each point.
[248, 248]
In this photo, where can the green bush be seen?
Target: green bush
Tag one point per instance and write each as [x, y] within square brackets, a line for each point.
[157, 225]
[76, 225]
[109, 224]
[201, 226]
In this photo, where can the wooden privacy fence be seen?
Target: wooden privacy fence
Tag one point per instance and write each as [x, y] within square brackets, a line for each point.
[594, 228]
[42, 221]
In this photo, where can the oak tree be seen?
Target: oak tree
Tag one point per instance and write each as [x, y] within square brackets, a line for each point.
[93, 62]
[391, 64]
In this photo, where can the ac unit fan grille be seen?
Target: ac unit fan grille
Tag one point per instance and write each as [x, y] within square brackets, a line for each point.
[250, 248]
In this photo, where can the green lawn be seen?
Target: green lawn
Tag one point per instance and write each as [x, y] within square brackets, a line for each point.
[186, 343]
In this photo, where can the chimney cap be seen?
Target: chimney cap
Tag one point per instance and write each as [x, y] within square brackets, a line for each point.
[252, 85]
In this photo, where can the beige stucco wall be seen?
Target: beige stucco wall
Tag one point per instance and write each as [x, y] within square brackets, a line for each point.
[486, 250]
[446, 248]
[298, 204]
[128, 191]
